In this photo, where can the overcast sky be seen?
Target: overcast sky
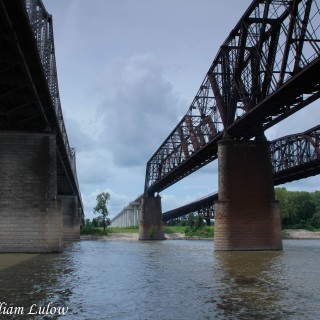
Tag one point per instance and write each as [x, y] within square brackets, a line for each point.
[128, 70]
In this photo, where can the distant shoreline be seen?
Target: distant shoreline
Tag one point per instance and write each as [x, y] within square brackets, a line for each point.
[287, 234]
[300, 234]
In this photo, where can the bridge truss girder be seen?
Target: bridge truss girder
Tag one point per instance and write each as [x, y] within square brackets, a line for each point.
[293, 157]
[267, 69]
[296, 156]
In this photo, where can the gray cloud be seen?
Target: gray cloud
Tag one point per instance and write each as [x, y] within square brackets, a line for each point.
[139, 111]
[78, 137]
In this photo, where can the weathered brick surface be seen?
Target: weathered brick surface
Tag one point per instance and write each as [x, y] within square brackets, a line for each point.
[151, 224]
[71, 216]
[30, 214]
[246, 215]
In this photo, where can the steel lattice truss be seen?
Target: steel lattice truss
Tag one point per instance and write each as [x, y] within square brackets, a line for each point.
[293, 157]
[296, 156]
[204, 205]
[267, 69]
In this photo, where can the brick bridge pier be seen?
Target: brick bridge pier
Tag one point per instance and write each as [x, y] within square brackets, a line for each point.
[34, 218]
[246, 213]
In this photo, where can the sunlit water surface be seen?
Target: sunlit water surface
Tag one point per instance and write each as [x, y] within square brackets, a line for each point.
[165, 280]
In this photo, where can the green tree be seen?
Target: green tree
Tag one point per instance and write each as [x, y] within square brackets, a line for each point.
[304, 206]
[199, 224]
[191, 221]
[298, 208]
[315, 220]
[88, 223]
[101, 208]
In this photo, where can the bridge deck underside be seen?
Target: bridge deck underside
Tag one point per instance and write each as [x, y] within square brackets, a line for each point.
[19, 103]
[25, 101]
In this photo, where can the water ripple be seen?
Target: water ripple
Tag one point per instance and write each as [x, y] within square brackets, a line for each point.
[165, 280]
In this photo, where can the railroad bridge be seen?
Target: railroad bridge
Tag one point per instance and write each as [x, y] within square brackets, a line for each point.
[293, 157]
[40, 200]
[266, 70]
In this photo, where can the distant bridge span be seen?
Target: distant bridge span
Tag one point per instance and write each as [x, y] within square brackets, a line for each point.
[294, 157]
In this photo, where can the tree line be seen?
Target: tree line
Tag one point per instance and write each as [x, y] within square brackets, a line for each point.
[96, 222]
[299, 209]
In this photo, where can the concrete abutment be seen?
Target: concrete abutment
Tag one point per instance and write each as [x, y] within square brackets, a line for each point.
[246, 214]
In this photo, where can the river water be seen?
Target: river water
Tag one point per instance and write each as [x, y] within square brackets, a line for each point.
[178, 279]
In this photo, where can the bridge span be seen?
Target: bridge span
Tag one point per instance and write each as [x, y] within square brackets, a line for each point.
[294, 157]
[40, 200]
[266, 70]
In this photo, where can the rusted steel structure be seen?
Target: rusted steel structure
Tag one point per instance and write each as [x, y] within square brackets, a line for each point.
[29, 92]
[267, 69]
[294, 157]
[204, 206]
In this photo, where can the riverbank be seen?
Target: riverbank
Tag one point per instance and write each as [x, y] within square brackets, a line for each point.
[287, 234]
[129, 236]
[300, 234]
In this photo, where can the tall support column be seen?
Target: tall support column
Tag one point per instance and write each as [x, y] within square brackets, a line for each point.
[71, 218]
[137, 210]
[151, 224]
[135, 213]
[246, 214]
[30, 214]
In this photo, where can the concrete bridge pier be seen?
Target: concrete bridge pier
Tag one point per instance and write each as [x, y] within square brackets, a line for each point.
[30, 213]
[129, 216]
[151, 224]
[246, 214]
[71, 217]
[136, 212]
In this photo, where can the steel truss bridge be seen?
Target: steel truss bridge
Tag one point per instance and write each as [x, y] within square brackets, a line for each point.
[267, 69]
[29, 93]
[294, 157]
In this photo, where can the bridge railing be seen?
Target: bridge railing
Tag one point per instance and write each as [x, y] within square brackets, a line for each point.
[41, 23]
